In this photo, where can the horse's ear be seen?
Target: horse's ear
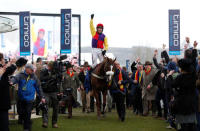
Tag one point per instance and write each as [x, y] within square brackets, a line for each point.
[105, 59]
[114, 60]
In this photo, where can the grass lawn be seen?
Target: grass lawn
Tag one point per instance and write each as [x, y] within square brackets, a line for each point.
[89, 122]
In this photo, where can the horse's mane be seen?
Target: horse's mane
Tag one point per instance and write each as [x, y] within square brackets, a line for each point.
[99, 66]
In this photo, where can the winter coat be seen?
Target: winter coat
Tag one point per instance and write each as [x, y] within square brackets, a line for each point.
[87, 83]
[147, 80]
[115, 88]
[185, 94]
[185, 97]
[27, 86]
[71, 82]
[5, 103]
[136, 90]
[49, 81]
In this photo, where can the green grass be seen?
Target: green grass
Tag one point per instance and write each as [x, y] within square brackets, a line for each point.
[89, 122]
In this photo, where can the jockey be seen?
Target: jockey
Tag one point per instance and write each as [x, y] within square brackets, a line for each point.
[99, 42]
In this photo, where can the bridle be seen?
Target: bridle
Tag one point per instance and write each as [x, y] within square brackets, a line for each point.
[108, 74]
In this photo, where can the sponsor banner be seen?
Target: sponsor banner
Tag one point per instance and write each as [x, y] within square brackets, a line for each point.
[128, 65]
[24, 33]
[65, 31]
[174, 32]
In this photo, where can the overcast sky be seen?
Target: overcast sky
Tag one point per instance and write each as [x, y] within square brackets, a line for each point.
[127, 22]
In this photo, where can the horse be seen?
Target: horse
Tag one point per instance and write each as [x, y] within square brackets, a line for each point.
[100, 77]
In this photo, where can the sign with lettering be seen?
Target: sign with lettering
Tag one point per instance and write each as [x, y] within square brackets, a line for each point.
[174, 32]
[65, 31]
[24, 33]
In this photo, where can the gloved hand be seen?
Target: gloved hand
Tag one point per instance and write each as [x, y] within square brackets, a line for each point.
[92, 16]
[103, 52]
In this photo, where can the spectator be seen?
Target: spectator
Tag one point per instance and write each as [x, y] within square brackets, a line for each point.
[70, 84]
[5, 103]
[149, 90]
[118, 90]
[136, 89]
[28, 84]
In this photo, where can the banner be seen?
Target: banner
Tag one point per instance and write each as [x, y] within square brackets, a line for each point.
[174, 32]
[65, 31]
[128, 65]
[24, 33]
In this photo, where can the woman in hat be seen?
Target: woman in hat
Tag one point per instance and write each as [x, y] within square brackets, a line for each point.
[71, 83]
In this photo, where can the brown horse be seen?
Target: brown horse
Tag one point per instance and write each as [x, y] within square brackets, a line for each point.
[100, 78]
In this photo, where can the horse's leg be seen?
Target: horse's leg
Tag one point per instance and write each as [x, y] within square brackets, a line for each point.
[104, 101]
[96, 95]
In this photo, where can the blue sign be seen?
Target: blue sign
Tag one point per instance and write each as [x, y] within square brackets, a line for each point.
[174, 32]
[24, 33]
[65, 31]
[128, 65]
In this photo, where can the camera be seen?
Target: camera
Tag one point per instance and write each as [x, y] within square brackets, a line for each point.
[53, 80]
[6, 62]
[43, 107]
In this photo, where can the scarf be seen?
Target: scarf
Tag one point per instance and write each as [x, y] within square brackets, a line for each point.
[70, 74]
[138, 74]
[120, 79]
[148, 70]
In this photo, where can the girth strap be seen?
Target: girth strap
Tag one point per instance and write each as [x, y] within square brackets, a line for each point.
[99, 77]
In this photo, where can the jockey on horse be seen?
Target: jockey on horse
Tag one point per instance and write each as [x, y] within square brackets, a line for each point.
[99, 42]
[99, 75]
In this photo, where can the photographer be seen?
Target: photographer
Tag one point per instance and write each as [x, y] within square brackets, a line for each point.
[28, 84]
[5, 104]
[71, 83]
[49, 83]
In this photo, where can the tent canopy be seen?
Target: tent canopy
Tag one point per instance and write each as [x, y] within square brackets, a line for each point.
[7, 25]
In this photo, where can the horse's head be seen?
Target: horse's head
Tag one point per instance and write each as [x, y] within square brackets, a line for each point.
[108, 67]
